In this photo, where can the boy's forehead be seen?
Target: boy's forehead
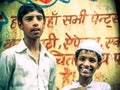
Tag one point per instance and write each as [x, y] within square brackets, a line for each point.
[87, 52]
[34, 13]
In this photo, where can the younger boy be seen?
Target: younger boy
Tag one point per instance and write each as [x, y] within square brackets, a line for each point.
[87, 60]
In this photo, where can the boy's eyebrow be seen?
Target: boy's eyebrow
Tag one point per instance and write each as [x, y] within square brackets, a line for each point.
[33, 16]
[39, 15]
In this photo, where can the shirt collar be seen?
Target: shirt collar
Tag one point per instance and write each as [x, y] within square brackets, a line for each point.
[76, 83]
[21, 47]
[90, 85]
[43, 50]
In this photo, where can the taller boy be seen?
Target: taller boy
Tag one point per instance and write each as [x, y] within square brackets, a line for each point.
[28, 65]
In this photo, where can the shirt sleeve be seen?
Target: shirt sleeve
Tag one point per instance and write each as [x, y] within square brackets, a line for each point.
[105, 86]
[6, 70]
[52, 84]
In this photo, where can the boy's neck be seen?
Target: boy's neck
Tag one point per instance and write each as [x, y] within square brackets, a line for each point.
[84, 81]
[32, 44]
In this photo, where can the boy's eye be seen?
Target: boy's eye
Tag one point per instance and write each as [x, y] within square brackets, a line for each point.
[39, 18]
[82, 58]
[92, 60]
[29, 18]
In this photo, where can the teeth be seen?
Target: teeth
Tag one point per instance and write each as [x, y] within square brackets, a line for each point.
[35, 29]
[85, 69]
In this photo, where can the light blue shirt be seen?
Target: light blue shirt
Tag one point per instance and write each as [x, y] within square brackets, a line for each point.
[92, 86]
[19, 71]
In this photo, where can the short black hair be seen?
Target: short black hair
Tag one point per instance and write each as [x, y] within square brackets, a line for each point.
[78, 51]
[26, 8]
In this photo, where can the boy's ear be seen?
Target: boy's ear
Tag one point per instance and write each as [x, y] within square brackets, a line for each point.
[20, 25]
[75, 61]
[99, 64]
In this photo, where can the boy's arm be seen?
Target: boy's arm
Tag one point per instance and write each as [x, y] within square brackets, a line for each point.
[6, 70]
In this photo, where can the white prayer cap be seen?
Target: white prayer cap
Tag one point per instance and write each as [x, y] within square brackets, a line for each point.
[91, 45]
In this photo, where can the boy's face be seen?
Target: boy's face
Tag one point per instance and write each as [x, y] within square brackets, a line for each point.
[87, 63]
[33, 25]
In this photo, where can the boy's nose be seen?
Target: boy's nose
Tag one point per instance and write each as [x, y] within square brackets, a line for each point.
[86, 63]
[35, 22]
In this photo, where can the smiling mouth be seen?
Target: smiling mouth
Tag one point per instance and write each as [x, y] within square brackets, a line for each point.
[85, 70]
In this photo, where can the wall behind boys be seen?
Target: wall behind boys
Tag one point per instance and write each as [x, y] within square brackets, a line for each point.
[68, 23]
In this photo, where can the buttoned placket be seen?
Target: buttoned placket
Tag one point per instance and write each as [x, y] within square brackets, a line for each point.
[39, 70]
[38, 74]
[38, 77]
[36, 70]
